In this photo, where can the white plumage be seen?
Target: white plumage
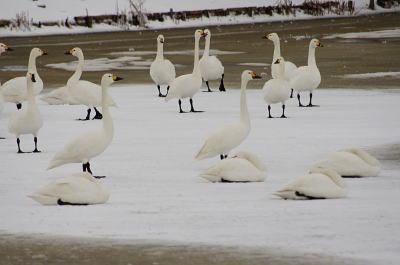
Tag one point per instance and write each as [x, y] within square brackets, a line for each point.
[59, 96]
[3, 48]
[77, 189]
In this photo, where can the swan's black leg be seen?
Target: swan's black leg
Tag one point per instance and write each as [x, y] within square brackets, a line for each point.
[192, 108]
[226, 156]
[2, 138]
[159, 91]
[291, 93]
[36, 150]
[98, 115]
[60, 202]
[167, 92]
[87, 116]
[19, 149]
[208, 87]
[310, 104]
[221, 156]
[180, 106]
[221, 85]
[19, 105]
[298, 98]
[283, 111]
[90, 171]
[269, 111]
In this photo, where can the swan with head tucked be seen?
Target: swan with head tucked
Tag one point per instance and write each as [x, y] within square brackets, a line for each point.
[289, 66]
[320, 183]
[3, 48]
[15, 90]
[77, 189]
[242, 167]
[162, 71]
[92, 143]
[210, 66]
[350, 163]
[277, 90]
[307, 78]
[28, 119]
[225, 138]
[186, 86]
[84, 92]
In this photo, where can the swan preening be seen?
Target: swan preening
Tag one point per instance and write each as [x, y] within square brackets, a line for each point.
[186, 86]
[27, 120]
[162, 71]
[77, 189]
[242, 167]
[228, 136]
[320, 183]
[277, 90]
[307, 78]
[351, 163]
[210, 66]
[92, 143]
[15, 90]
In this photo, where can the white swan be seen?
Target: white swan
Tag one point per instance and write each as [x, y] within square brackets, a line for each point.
[228, 136]
[162, 71]
[59, 96]
[3, 48]
[27, 120]
[77, 189]
[318, 184]
[210, 66]
[84, 92]
[92, 143]
[351, 163]
[289, 66]
[186, 86]
[242, 167]
[307, 78]
[277, 90]
[14, 90]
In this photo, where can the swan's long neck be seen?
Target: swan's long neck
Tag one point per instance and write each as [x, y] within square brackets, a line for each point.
[311, 56]
[277, 49]
[78, 72]
[244, 113]
[107, 120]
[365, 156]
[281, 70]
[207, 46]
[160, 51]
[32, 64]
[30, 96]
[196, 69]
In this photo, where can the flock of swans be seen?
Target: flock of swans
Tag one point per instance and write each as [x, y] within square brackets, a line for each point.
[324, 179]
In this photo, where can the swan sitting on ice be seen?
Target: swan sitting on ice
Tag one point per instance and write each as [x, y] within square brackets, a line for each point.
[242, 167]
[77, 189]
[27, 120]
[92, 143]
[351, 163]
[289, 66]
[320, 183]
[186, 86]
[210, 66]
[228, 136]
[14, 90]
[277, 90]
[162, 71]
[307, 78]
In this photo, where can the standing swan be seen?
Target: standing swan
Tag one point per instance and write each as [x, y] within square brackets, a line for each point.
[15, 90]
[277, 90]
[228, 136]
[27, 120]
[351, 163]
[78, 189]
[162, 71]
[92, 143]
[289, 66]
[185, 86]
[307, 78]
[242, 167]
[320, 183]
[210, 66]
[3, 48]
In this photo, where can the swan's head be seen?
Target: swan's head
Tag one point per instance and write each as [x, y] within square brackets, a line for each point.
[160, 39]
[77, 52]
[271, 36]
[249, 75]
[4, 48]
[198, 33]
[31, 77]
[279, 60]
[38, 52]
[108, 79]
[206, 33]
[315, 43]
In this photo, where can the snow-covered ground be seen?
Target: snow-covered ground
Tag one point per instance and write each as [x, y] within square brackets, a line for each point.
[156, 194]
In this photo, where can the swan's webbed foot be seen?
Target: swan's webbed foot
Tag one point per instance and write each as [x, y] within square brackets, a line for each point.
[36, 151]
[308, 197]
[291, 93]
[1, 138]
[283, 112]
[221, 85]
[99, 177]
[192, 108]
[19, 105]
[208, 88]
[19, 148]
[298, 98]
[283, 116]
[310, 104]
[60, 202]
[87, 116]
[98, 115]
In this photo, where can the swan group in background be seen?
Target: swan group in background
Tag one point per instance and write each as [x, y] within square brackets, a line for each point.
[350, 163]
[28, 119]
[225, 138]
[15, 90]
[289, 66]
[186, 86]
[210, 66]
[242, 167]
[277, 90]
[77, 189]
[307, 78]
[92, 143]
[162, 71]
[320, 183]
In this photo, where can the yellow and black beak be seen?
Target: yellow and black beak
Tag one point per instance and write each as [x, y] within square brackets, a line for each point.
[7, 48]
[162, 40]
[266, 36]
[116, 78]
[43, 52]
[277, 61]
[319, 44]
[203, 33]
[255, 76]
[32, 76]
[70, 52]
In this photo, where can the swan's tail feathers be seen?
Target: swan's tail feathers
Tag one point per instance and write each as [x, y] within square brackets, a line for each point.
[211, 178]
[364, 156]
[288, 194]
[56, 163]
[43, 199]
[201, 154]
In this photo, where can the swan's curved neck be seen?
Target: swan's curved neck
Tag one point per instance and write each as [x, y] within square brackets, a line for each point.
[335, 177]
[196, 70]
[32, 64]
[311, 56]
[107, 120]
[30, 96]
[281, 70]
[78, 72]
[160, 51]
[207, 46]
[277, 48]
[244, 113]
